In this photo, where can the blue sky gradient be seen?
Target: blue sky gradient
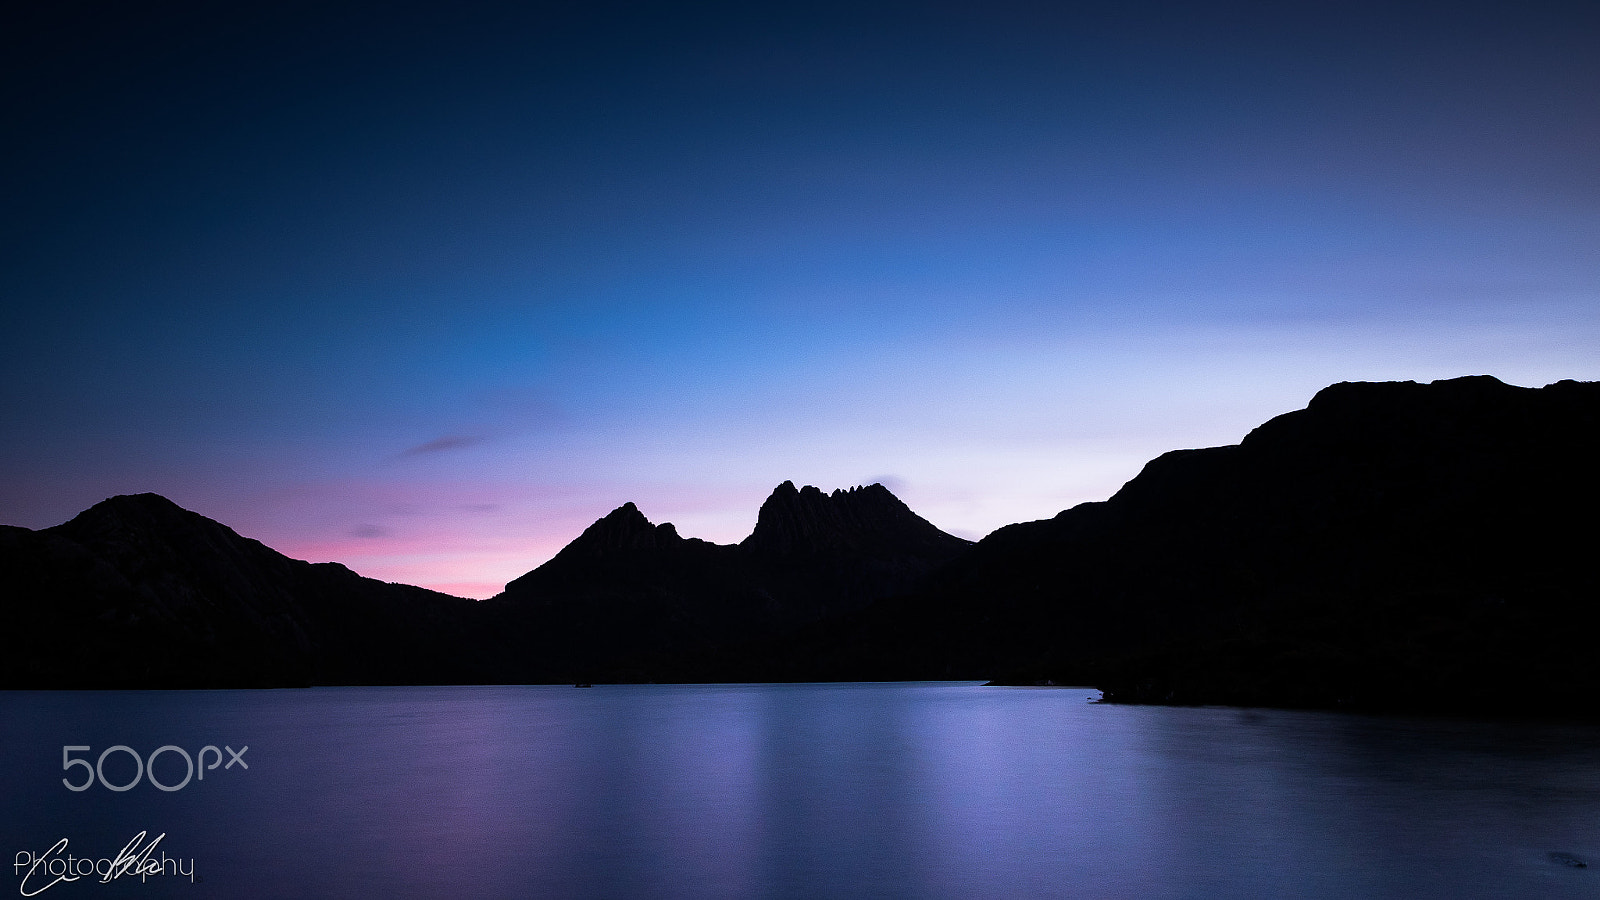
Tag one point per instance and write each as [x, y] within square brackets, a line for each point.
[426, 290]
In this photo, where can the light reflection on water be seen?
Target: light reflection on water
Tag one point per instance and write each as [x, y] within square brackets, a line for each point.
[906, 790]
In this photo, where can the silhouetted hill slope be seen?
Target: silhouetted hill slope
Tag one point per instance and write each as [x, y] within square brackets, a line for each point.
[866, 521]
[823, 555]
[621, 593]
[629, 599]
[1392, 544]
[138, 592]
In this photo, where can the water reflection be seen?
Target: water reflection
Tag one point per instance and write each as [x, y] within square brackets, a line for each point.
[923, 790]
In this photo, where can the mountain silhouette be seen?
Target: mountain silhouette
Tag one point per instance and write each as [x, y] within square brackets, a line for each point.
[138, 592]
[1392, 545]
[630, 599]
[823, 555]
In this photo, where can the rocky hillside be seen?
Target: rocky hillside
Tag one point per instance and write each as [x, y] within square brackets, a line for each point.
[138, 592]
[1396, 544]
[629, 599]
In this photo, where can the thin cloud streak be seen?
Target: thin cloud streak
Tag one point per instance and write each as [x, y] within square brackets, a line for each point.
[444, 445]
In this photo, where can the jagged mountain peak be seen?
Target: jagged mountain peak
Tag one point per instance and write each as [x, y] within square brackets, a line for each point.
[624, 528]
[788, 489]
[803, 520]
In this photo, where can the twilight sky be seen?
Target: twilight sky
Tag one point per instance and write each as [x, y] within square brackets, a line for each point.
[427, 290]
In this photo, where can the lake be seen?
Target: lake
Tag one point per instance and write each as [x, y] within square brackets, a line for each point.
[814, 791]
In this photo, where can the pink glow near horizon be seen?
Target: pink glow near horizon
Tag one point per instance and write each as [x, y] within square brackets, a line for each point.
[470, 537]
[428, 295]
[429, 536]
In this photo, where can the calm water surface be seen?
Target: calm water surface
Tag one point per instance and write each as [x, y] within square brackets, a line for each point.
[814, 791]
